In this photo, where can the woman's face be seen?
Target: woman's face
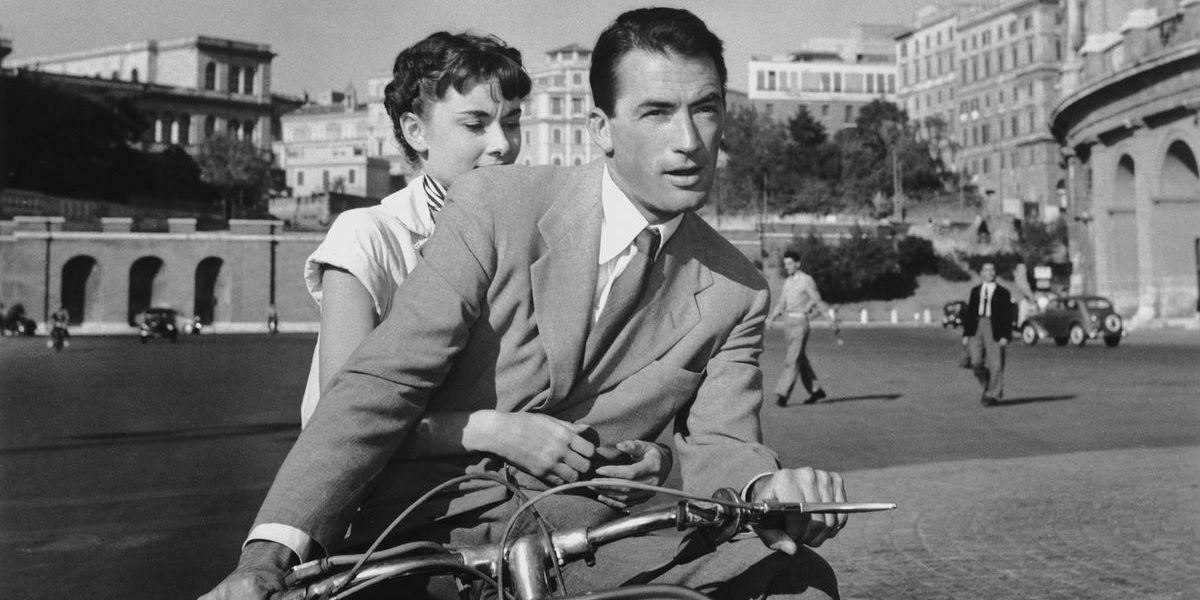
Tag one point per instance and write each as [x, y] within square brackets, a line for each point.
[463, 131]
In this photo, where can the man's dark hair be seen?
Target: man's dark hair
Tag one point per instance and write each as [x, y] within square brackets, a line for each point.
[424, 71]
[792, 254]
[660, 30]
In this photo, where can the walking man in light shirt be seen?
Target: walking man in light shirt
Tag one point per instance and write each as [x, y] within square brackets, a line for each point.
[799, 302]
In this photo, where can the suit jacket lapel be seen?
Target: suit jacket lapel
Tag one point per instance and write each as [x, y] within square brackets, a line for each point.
[666, 312]
[563, 278]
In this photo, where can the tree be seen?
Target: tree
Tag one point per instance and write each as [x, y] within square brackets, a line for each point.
[756, 149]
[239, 171]
[62, 142]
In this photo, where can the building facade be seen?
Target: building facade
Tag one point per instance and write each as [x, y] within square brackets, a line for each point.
[1008, 69]
[554, 117]
[229, 278]
[832, 78]
[191, 88]
[1127, 120]
[327, 148]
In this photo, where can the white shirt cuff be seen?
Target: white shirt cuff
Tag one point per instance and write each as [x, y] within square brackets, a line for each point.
[289, 536]
[745, 495]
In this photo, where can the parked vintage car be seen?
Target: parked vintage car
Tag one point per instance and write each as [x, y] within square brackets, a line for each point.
[14, 322]
[158, 322]
[1075, 319]
[952, 313]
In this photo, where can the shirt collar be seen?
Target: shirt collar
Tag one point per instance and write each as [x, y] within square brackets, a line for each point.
[622, 221]
[411, 207]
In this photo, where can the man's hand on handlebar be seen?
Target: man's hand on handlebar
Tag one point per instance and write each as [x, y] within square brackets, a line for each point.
[259, 573]
[635, 460]
[801, 485]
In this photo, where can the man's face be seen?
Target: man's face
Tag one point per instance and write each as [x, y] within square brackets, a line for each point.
[987, 272]
[789, 265]
[662, 139]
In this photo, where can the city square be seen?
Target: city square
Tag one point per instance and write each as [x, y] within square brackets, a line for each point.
[525, 226]
[148, 462]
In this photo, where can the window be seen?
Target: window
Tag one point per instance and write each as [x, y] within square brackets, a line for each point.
[837, 82]
[1000, 61]
[761, 80]
[770, 80]
[987, 65]
[577, 78]
[210, 76]
[333, 131]
[578, 161]
[999, 32]
[1028, 22]
[560, 80]
[1012, 28]
[903, 49]
[1030, 52]
[556, 106]
[299, 177]
[825, 82]
[578, 137]
[557, 136]
[133, 75]
[557, 161]
[824, 110]
[233, 80]
[325, 179]
[210, 126]
[248, 81]
[849, 118]
[891, 83]
[248, 130]
[1015, 128]
[577, 106]
[350, 175]
[769, 109]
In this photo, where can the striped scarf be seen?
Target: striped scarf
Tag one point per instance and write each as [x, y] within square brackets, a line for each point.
[435, 195]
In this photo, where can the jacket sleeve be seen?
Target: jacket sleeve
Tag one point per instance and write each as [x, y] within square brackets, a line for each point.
[719, 436]
[379, 396]
[970, 317]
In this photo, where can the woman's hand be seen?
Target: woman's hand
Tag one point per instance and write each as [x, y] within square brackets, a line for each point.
[550, 449]
[651, 463]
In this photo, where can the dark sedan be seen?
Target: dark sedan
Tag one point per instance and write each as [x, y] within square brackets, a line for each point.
[1075, 320]
[158, 322]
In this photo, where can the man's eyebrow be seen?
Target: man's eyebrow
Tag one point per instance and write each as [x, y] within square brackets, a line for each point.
[655, 104]
[474, 113]
[708, 98]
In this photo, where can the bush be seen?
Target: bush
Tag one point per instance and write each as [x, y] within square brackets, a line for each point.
[916, 256]
[864, 267]
[950, 269]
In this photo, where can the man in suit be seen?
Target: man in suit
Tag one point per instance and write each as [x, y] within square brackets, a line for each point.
[593, 294]
[987, 329]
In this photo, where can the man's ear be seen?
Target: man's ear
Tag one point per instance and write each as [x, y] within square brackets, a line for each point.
[413, 129]
[600, 128]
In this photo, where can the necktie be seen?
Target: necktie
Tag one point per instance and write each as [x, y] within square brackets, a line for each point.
[985, 302]
[623, 296]
[435, 195]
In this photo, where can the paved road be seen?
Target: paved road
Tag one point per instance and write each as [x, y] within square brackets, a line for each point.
[132, 471]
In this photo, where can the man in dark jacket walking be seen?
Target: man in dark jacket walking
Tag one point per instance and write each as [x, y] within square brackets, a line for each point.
[987, 329]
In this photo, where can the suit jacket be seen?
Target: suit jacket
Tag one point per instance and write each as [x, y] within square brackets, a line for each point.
[1003, 313]
[496, 315]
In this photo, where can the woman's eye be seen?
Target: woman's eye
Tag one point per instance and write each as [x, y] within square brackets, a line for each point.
[474, 125]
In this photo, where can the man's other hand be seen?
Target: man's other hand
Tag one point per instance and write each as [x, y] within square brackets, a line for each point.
[801, 485]
[259, 573]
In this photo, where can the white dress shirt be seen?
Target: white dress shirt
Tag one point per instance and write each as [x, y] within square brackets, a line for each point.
[986, 291]
[621, 224]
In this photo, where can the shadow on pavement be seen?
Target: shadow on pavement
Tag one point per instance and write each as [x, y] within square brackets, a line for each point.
[862, 397]
[142, 437]
[1033, 399]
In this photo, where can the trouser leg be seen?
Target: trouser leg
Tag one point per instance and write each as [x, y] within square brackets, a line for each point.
[995, 363]
[797, 336]
[976, 349]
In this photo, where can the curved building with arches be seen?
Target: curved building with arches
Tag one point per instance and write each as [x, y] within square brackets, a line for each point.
[1129, 125]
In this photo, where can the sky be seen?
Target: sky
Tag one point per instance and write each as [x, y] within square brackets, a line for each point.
[328, 44]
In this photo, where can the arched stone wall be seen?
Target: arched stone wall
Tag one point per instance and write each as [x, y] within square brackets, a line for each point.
[79, 285]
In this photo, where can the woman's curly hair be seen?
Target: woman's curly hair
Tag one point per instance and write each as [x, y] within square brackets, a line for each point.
[424, 71]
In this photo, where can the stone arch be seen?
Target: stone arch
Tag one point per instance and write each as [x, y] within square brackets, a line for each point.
[143, 283]
[1121, 251]
[80, 283]
[210, 287]
[1180, 178]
